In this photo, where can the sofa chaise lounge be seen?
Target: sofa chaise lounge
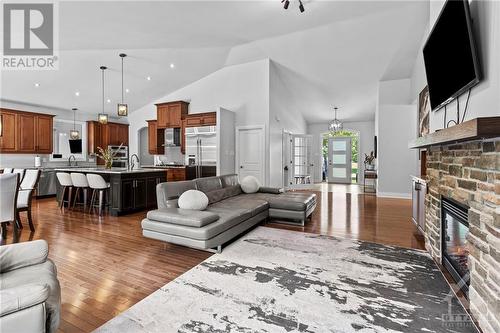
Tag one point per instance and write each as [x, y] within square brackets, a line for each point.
[230, 211]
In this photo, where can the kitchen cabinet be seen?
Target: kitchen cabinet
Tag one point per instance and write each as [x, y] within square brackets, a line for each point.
[9, 129]
[133, 194]
[103, 135]
[418, 192]
[176, 174]
[26, 132]
[156, 138]
[170, 114]
[201, 119]
[183, 136]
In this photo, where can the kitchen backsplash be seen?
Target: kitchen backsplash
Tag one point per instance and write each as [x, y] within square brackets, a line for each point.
[28, 161]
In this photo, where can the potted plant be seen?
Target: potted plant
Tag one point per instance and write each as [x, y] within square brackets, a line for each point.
[107, 155]
[369, 161]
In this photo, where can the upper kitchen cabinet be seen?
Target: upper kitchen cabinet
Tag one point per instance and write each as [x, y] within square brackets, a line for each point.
[26, 132]
[170, 115]
[201, 119]
[103, 135]
[156, 138]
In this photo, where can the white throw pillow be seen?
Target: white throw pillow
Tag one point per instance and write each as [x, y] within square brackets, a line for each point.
[250, 184]
[193, 199]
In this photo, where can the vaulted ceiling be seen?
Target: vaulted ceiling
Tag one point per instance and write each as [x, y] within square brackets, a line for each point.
[333, 53]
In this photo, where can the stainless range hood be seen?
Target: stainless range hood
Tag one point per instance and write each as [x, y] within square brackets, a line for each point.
[172, 137]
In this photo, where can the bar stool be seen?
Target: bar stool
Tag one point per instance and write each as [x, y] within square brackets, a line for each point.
[81, 184]
[21, 173]
[65, 181]
[97, 184]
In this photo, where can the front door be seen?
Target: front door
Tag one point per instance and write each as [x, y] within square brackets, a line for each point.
[250, 152]
[339, 160]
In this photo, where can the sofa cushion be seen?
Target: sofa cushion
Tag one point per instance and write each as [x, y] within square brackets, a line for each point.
[272, 190]
[22, 297]
[183, 217]
[250, 184]
[216, 195]
[168, 192]
[228, 218]
[193, 199]
[229, 180]
[45, 274]
[292, 201]
[208, 184]
[255, 206]
[231, 191]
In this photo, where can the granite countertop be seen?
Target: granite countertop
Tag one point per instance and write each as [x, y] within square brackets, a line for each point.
[109, 171]
[175, 166]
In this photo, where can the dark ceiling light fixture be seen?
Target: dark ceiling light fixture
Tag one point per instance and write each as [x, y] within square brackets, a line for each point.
[287, 4]
[122, 107]
[74, 134]
[103, 117]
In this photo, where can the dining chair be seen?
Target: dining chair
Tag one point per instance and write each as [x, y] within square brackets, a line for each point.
[7, 170]
[8, 198]
[25, 196]
[21, 173]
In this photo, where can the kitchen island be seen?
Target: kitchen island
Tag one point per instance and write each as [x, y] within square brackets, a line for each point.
[130, 190]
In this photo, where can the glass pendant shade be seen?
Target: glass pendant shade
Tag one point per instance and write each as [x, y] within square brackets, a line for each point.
[122, 109]
[74, 134]
[102, 118]
[335, 125]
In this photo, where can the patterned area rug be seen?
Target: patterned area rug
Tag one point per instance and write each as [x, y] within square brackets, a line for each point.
[283, 281]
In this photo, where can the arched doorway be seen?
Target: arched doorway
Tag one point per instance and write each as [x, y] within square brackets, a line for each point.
[144, 156]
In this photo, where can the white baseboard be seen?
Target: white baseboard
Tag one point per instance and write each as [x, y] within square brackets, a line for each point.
[394, 195]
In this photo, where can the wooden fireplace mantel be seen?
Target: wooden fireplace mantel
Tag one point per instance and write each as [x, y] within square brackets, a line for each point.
[474, 129]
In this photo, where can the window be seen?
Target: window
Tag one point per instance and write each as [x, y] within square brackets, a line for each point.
[61, 139]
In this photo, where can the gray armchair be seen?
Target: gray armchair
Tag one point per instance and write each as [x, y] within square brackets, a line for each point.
[30, 295]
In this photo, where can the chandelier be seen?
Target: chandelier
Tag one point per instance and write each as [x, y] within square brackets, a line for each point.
[335, 125]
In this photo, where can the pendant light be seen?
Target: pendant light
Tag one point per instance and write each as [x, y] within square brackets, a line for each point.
[103, 117]
[335, 125]
[74, 134]
[122, 107]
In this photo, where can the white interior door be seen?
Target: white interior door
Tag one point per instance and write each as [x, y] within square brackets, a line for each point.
[339, 160]
[287, 159]
[302, 165]
[250, 152]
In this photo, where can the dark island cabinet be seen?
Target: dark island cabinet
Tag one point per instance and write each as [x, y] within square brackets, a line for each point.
[132, 192]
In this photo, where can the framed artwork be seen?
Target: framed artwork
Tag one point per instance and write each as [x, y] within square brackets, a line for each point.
[424, 110]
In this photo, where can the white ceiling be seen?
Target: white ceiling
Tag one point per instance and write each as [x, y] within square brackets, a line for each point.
[335, 52]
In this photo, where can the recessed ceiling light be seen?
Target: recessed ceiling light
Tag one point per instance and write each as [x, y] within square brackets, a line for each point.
[148, 78]
[108, 100]
[77, 93]
[172, 65]
[37, 85]
[127, 90]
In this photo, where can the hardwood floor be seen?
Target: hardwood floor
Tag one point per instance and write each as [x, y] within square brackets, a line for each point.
[105, 265]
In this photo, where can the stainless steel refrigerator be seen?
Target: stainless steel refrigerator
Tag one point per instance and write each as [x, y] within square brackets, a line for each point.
[201, 152]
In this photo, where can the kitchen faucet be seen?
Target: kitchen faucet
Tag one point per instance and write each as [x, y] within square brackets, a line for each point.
[132, 164]
[69, 160]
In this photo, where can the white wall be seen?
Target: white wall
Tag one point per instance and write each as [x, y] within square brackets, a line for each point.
[366, 131]
[243, 89]
[284, 114]
[27, 160]
[396, 121]
[485, 97]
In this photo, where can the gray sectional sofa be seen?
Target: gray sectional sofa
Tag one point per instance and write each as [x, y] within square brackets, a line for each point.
[230, 211]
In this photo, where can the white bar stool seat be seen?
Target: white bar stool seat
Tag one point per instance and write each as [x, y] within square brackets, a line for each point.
[80, 183]
[98, 185]
[64, 179]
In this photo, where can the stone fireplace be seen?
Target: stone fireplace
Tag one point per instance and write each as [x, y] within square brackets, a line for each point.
[468, 174]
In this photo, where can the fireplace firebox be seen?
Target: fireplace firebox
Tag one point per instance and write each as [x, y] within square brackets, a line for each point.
[455, 227]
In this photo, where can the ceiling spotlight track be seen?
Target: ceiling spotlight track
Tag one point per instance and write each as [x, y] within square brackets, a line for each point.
[286, 4]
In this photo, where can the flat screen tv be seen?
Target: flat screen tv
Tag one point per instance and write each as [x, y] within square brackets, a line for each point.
[75, 146]
[450, 55]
